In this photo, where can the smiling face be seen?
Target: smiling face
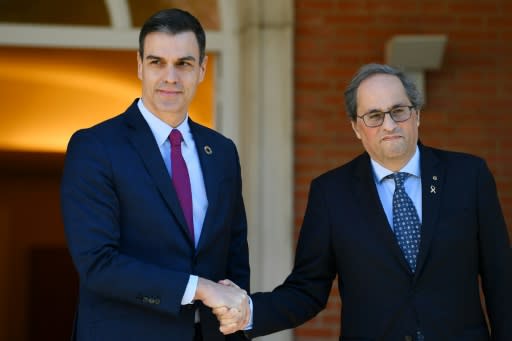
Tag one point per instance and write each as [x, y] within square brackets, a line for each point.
[170, 72]
[392, 144]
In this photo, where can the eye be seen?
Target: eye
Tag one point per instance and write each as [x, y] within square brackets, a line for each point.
[375, 116]
[184, 63]
[398, 110]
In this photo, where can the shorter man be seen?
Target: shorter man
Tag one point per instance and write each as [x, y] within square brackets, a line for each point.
[408, 229]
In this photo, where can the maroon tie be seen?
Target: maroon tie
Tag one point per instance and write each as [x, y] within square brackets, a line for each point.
[181, 180]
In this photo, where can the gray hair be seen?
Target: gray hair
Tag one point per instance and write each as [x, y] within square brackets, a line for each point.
[371, 69]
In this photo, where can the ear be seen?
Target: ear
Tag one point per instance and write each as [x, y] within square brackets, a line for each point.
[139, 66]
[355, 128]
[418, 118]
[202, 68]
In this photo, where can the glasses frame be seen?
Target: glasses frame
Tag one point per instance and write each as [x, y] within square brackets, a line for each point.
[410, 107]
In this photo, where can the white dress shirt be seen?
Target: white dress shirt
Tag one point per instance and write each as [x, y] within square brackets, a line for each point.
[386, 186]
[161, 131]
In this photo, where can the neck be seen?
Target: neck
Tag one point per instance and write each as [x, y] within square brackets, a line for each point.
[175, 122]
[393, 165]
[171, 119]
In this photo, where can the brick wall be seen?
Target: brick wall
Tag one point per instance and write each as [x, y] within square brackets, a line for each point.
[469, 100]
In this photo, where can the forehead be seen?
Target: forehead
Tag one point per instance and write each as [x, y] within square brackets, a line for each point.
[168, 45]
[380, 92]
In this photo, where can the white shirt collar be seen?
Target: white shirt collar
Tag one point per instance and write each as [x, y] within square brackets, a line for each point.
[412, 167]
[162, 130]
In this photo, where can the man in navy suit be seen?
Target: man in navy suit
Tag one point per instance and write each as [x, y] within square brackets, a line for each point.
[148, 262]
[426, 288]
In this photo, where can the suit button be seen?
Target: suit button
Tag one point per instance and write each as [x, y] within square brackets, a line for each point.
[408, 338]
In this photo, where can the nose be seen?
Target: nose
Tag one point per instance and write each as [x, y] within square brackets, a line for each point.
[389, 124]
[171, 74]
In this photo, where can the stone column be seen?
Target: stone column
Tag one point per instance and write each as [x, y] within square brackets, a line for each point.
[266, 139]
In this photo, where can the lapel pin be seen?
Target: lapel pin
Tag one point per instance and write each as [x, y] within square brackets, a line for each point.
[432, 189]
[208, 150]
[434, 178]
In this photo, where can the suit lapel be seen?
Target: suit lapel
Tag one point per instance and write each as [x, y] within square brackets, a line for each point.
[142, 139]
[368, 197]
[207, 153]
[432, 179]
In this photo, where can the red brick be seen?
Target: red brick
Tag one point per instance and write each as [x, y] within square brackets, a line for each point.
[392, 7]
[353, 6]
[436, 6]
[482, 7]
[472, 22]
[470, 35]
[467, 99]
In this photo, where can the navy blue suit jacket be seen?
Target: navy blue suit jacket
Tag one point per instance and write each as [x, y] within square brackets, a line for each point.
[128, 238]
[345, 233]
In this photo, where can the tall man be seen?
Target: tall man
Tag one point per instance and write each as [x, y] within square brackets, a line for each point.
[407, 228]
[152, 204]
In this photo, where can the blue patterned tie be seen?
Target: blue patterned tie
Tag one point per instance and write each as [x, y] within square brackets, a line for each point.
[406, 222]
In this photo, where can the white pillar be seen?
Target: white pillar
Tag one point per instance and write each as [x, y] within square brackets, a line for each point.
[266, 139]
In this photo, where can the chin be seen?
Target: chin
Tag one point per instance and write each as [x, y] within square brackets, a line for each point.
[396, 155]
[396, 149]
[169, 108]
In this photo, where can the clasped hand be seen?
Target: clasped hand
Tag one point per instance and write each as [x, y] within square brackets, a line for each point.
[229, 303]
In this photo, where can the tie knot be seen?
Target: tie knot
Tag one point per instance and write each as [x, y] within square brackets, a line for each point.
[175, 137]
[399, 178]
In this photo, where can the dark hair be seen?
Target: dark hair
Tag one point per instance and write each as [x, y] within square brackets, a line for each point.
[371, 69]
[173, 21]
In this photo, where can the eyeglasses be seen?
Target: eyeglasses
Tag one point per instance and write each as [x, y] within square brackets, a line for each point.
[376, 118]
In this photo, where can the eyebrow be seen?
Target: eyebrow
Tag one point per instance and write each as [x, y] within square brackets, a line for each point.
[390, 108]
[150, 56]
[186, 58]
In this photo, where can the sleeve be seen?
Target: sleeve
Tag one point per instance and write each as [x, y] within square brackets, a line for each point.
[495, 257]
[92, 221]
[190, 290]
[306, 290]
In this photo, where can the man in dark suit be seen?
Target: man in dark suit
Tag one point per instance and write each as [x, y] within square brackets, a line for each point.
[408, 230]
[152, 204]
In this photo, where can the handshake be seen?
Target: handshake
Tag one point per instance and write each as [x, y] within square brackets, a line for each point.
[229, 303]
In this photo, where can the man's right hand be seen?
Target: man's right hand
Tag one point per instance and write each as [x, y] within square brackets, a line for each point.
[232, 320]
[215, 295]
[229, 303]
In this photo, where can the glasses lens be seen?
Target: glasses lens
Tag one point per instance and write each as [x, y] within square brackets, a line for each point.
[400, 114]
[374, 119]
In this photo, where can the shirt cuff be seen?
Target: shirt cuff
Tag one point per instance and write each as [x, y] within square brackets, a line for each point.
[249, 324]
[190, 291]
